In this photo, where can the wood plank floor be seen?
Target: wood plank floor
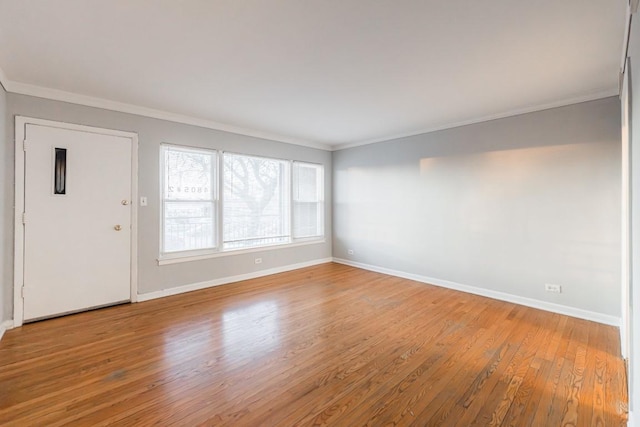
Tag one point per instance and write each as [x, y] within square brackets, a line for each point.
[329, 344]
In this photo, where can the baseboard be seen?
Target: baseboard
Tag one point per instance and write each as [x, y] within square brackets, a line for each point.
[529, 302]
[230, 279]
[5, 326]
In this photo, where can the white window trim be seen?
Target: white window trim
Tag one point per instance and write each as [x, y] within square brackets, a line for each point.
[187, 256]
[218, 251]
[216, 200]
[320, 201]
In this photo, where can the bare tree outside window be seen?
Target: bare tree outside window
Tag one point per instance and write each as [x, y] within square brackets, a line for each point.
[256, 207]
[189, 199]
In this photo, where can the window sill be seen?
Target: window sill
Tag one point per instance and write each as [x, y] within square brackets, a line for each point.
[178, 258]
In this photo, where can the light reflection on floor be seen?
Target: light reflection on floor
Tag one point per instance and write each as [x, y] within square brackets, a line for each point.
[251, 330]
[245, 333]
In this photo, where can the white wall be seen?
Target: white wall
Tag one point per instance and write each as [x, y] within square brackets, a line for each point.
[151, 133]
[506, 205]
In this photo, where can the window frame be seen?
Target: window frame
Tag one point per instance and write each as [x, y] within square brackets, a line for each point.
[166, 258]
[215, 200]
[287, 181]
[320, 202]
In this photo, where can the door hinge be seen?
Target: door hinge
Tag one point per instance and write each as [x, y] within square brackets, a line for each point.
[24, 145]
[22, 291]
[24, 217]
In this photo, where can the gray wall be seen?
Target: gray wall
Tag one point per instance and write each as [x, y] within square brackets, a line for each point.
[6, 243]
[151, 133]
[506, 205]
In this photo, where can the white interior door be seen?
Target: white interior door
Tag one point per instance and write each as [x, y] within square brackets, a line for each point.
[77, 223]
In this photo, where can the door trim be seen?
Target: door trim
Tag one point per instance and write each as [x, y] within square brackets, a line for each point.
[626, 328]
[21, 123]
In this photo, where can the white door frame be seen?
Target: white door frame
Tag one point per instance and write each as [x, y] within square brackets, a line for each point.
[18, 254]
[626, 327]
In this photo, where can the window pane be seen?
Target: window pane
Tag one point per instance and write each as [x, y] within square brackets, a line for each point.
[256, 201]
[307, 183]
[60, 171]
[189, 204]
[188, 174]
[307, 219]
[188, 226]
[308, 193]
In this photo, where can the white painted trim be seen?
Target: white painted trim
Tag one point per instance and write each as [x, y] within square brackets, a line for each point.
[502, 296]
[90, 101]
[4, 80]
[18, 264]
[510, 113]
[134, 218]
[5, 326]
[230, 279]
[631, 420]
[18, 231]
[72, 126]
[625, 42]
[625, 218]
[175, 259]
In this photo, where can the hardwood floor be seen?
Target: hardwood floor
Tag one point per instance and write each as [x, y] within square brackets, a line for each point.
[328, 344]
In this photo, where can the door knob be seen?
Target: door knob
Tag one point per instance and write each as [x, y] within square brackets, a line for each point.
[125, 202]
[117, 227]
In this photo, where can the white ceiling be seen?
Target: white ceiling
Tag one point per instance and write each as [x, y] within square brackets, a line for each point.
[329, 73]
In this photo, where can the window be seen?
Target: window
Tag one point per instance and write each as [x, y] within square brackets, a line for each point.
[256, 202]
[214, 202]
[189, 199]
[308, 200]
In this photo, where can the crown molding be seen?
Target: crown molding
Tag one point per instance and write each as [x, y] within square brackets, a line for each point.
[90, 101]
[510, 113]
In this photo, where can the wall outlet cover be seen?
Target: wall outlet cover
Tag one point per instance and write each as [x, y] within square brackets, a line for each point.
[553, 288]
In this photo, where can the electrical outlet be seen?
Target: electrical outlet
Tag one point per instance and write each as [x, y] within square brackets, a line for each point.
[350, 251]
[553, 288]
[258, 261]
